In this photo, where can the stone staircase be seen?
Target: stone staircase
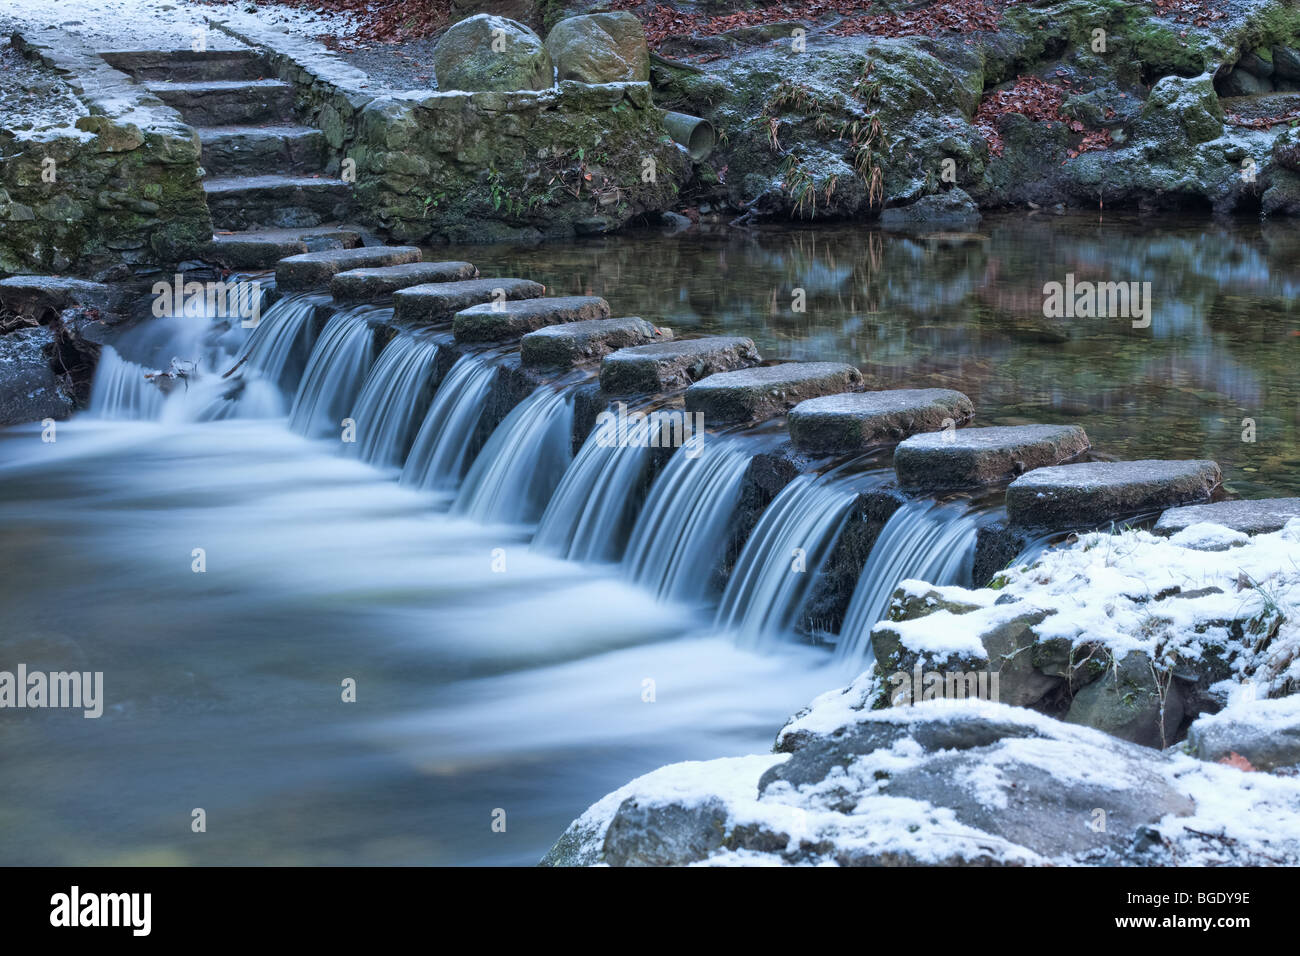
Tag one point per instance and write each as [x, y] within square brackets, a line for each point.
[263, 169]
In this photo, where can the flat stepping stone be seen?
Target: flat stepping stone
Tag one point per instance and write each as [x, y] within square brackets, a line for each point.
[363, 285]
[493, 322]
[261, 249]
[313, 270]
[962, 458]
[34, 295]
[834, 424]
[439, 301]
[756, 394]
[669, 366]
[1262, 516]
[1092, 493]
[576, 342]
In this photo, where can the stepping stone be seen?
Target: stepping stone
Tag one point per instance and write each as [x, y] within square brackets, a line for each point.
[940, 461]
[33, 296]
[1263, 516]
[835, 424]
[756, 394]
[673, 365]
[439, 301]
[246, 202]
[1090, 494]
[576, 342]
[493, 322]
[313, 270]
[227, 102]
[366, 285]
[260, 250]
[249, 150]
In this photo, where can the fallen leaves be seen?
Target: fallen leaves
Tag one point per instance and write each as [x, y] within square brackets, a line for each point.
[1235, 759]
[1262, 122]
[1040, 101]
[382, 21]
[1199, 13]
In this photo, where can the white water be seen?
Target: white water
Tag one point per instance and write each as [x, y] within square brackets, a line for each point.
[784, 552]
[344, 352]
[923, 539]
[679, 538]
[518, 469]
[393, 401]
[440, 455]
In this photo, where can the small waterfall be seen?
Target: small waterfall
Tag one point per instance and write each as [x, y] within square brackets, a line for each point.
[927, 540]
[393, 401]
[593, 509]
[278, 348]
[784, 552]
[682, 529]
[121, 391]
[335, 372]
[519, 468]
[438, 458]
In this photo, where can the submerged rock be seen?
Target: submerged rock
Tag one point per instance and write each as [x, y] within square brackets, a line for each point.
[491, 53]
[952, 207]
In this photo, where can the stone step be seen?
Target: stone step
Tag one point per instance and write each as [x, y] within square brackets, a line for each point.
[368, 285]
[669, 366]
[1261, 516]
[189, 66]
[561, 346]
[264, 248]
[843, 424]
[255, 150]
[757, 394]
[227, 102]
[439, 301]
[498, 321]
[1093, 493]
[245, 202]
[962, 458]
[314, 270]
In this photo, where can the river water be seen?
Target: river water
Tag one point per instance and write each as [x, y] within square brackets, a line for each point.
[495, 676]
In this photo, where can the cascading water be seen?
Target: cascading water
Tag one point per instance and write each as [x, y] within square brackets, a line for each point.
[336, 370]
[122, 391]
[439, 457]
[515, 474]
[784, 552]
[681, 531]
[593, 509]
[278, 348]
[393, 401]
[923, 539]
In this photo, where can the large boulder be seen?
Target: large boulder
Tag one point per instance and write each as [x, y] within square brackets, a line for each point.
[600, 48]
[487, 52]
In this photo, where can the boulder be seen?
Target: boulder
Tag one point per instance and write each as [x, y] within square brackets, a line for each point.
[37, 296]
[1286, 63]
[600, 48]
[486, 52]
[497, 321]
[841, 424]
[575, 342]
[1262, 516]
[961, 458]
[29, 389]
[950, 208]
[667, 366]
[362, 285]
[1264, 732]
[1092, 494]
[1286, 150]
[314, 270]
[756, 394]
[1132, 702]
[439, 301]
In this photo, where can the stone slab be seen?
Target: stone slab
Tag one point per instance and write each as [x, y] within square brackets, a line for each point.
[854, 421]
[1090, 494]
[496, 322]
[439, 301]
[364, 285]
[668, 366]
[963, 458]
[313, 270]
[577, 342]
[1262, 516]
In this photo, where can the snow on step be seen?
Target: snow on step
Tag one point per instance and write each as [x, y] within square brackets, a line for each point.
[439, 301]
[672, 365]
[362, 285]
[757, 394]
[944, 460]
[314, 270]
[1094, 493]
[835, 424]
[495, 321]
[574, 342]
[1261, 516]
